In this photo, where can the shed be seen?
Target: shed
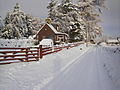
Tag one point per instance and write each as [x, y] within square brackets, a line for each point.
[47, 31]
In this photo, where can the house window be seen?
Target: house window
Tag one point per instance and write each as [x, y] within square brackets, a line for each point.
[62, 39]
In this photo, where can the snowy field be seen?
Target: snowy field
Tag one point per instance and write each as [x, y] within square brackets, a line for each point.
[16, 43]
[91, 68]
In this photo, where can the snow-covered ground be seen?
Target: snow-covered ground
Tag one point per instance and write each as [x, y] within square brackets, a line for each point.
[91, 68]
[16, 43]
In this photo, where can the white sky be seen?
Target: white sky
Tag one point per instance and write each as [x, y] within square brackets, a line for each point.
[111, 17]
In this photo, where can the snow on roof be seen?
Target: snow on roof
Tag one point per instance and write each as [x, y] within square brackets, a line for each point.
[53, 28]
[112, 40]
[56, 32]
[46, 42]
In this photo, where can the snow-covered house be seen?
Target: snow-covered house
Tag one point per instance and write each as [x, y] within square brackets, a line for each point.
[113, 41]
[48, 31]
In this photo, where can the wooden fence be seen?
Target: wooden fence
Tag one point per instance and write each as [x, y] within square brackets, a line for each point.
[14, 55]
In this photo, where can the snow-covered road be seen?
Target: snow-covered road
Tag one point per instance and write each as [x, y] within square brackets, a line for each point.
[92, 71]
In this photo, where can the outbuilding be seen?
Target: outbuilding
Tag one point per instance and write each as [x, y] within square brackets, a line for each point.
[47, 31]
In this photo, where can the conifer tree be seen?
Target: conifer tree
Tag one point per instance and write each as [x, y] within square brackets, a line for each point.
[19, 24]
[79, 20]
[52, 7]
[89, 13]
[67, 17]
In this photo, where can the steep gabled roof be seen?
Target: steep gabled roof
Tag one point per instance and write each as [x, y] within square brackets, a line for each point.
[52, 28]
[55, 31]
[112, 40]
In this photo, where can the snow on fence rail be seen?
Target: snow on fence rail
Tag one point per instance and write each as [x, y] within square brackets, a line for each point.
[14, 55]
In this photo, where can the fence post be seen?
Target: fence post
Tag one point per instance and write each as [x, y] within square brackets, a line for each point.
[40, 47]
[27, 49]
[38, 53]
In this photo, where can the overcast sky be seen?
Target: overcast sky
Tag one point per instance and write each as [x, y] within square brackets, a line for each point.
[110, 17]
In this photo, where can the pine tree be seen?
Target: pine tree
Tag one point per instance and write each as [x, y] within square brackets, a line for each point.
[89, 13]
[1, 25]
[19, 24]
[66, 15]
[63, 15]
[78, 20]
[52, 7]
[1, 22]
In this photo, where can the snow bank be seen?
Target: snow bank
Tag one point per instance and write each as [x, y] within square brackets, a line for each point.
[16, 42]
[112, 63]
[35, 75]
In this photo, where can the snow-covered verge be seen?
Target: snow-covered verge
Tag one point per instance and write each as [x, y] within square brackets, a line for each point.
[16, 42]
[35, 75]
[112, 63]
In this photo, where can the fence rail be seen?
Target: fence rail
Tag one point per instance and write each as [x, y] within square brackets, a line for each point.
[15, 55]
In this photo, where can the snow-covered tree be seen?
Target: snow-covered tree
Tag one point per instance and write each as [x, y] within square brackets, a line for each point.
[66, 15]
[19, 24]
[78, 20]
[33, 24]
[1, 22]
[1, 25]
[52, 9]
[89, 11]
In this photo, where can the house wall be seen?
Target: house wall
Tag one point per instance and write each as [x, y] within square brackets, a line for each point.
[46, 32]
